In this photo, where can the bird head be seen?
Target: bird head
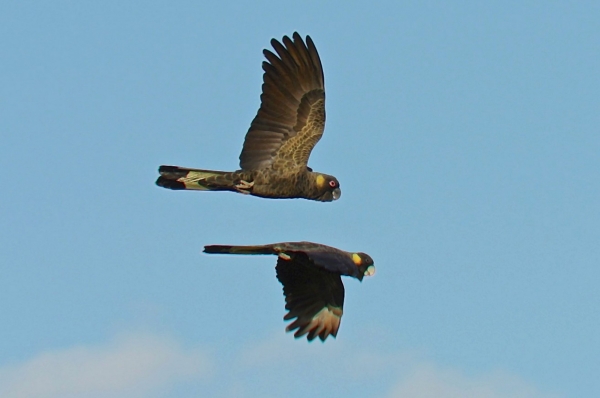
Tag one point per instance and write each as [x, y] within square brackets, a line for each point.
[364, 264]
[328, 187]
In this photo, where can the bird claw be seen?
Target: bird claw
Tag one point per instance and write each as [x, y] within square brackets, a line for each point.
[244, 186]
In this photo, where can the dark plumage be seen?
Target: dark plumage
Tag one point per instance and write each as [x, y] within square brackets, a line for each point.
[311, 277]
[289, 123]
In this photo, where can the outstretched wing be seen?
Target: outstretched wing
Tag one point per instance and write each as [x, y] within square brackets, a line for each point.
[291, 118]
[313, 296]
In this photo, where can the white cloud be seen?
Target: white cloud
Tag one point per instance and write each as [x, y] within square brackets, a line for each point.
[144, 366]
[426, 380]
[349, 367]
[130, 366]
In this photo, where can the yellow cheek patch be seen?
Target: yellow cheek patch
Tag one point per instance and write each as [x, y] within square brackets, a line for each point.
[357, 260]
[320, 181]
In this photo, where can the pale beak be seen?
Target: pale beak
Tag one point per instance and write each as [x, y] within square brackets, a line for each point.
[337, 193]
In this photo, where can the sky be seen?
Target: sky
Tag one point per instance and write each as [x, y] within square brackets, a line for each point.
[465, 137]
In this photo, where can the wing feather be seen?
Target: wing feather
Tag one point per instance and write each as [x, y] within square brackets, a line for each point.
[314, 297]
[292, 111]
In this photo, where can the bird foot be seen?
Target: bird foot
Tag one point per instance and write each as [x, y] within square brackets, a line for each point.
[244, 186]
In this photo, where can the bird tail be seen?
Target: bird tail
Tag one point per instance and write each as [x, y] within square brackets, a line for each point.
[177, 178]
[225, 249]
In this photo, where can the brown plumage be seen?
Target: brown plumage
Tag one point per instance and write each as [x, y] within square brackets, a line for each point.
[311, 277]
[289, 123]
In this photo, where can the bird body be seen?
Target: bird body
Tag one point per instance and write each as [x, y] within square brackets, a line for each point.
[262, 183]
[287, 126]
[310, 275]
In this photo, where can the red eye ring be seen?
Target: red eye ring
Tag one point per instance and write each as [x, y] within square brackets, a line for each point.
[332, 184]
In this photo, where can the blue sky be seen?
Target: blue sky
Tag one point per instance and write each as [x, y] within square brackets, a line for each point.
[466, 140]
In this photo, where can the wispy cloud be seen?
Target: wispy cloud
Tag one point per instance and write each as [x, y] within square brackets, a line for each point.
[427, 380]
[149, 366]
[129, 366]
[370, 370]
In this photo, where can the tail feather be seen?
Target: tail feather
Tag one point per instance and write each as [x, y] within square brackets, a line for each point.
[226, 249]
[178, 178]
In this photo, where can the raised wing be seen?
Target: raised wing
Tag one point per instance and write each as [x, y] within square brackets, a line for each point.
[313, 296]
[291, 118]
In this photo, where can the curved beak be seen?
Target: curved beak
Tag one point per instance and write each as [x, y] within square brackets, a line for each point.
[336, 194]
[370, 271]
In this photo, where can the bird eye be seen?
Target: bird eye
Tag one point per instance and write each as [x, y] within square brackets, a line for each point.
[332, 184]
